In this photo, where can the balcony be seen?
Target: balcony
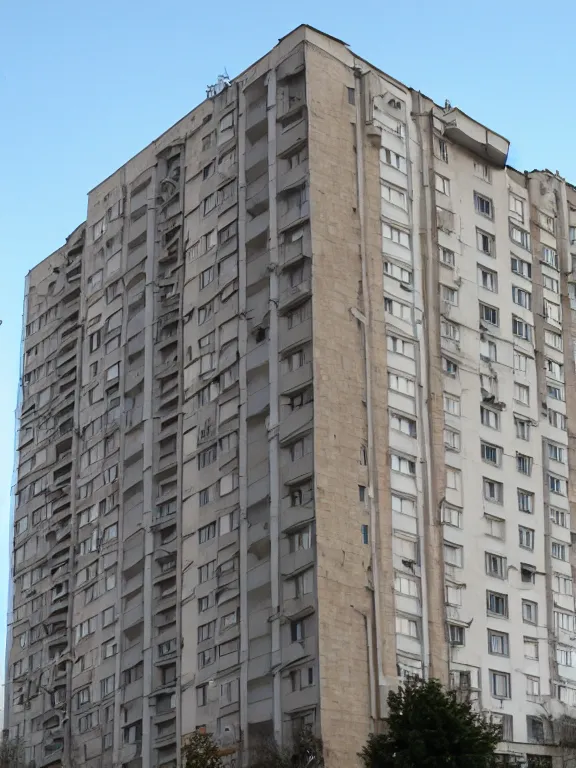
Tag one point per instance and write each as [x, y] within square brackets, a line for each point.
[466, 132]
[297, 421]
[256, 226]
[257, 119]
[294, 295]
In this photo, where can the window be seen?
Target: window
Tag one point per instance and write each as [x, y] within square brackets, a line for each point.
[401, 384]
[110, 533]
[301, 539]
[483, 205]
[108, 616]
[493, 491]
[207, 276]
[304, 583]
[453, 479]
[402, 464]
[209, 203]
[456, 634]
[450, 367]
[485, 242]
[451, 405]
[446, 256]
[564, 621]
[526, 537]
[206, 533]
[519, 236]
[406, 626]
[520, 362]
[529, 612]
[206, 631]
[489, 418]
[489, 314]
[497, 603]
[556, 453]
[388, 157]
[521, 329]
[522, 428]
[107, 686]
[299, 315]
[560, 517]
[449, 330]
[551, 283]
[453, 554]
[524, 464]
[530, 648]
[556, 392]
[559, 550]
[550, 257]
[403, 424]
[552, 312]
[488, 279]
[554, 370]
[554, 340]
[562, 584]
[498, 643]
[207, 456]
[516, 206]
[491, 454]
[394, 196]
[500, 684]
[453, 594]
[521, 267]
[400, 346]
[521, 297]
[556, 485]
[397, 308]
[496, 565]
[206, 572]
[495, 526]
[451, 439]
[557, 419]
[442, 184]
[205, 312]
[525, 501]
[405, 585]
[403, 505]
[449, 295]
[397, 272]
[483, 171]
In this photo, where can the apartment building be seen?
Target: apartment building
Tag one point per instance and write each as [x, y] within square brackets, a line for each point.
[294, 425]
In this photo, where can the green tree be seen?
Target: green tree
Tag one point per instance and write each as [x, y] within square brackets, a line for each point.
[201, 751]
[12, 754]
[427, 727]
[305, 752]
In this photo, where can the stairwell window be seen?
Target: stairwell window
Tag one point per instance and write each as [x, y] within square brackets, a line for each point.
[526, 537]
[483, 205]
[493, 491]
[442, 184]
[489, 418]
[497, 603]
[449, 295]
[485, 242]
[496, 565]
[550, 257]
[488, 279]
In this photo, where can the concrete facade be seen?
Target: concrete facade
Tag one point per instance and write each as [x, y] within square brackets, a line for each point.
[294, 426]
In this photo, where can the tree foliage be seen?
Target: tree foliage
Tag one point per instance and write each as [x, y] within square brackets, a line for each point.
[12, 754]
[305, 752]
[427, 727]
[200, 751]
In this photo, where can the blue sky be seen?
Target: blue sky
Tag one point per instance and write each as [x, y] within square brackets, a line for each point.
[84, 86]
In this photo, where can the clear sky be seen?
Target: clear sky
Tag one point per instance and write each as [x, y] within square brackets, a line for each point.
[86, 85]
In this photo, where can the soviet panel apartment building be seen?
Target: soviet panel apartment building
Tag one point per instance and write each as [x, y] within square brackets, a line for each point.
[294, 424]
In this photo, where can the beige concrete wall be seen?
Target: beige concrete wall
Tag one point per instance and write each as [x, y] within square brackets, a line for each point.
[343, 562]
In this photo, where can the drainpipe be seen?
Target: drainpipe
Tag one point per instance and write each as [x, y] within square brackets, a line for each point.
[148, 446]
[243, 428]
[366, 321]
[273, 425]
